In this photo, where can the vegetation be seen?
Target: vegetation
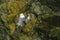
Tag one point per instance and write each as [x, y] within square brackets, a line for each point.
[44, 23]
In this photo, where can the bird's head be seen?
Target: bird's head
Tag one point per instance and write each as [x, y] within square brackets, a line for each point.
[22, 15]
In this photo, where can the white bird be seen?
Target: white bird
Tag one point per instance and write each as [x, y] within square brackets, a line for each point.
[21, 19]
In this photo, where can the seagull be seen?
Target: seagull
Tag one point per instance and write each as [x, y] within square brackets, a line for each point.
[21, 19]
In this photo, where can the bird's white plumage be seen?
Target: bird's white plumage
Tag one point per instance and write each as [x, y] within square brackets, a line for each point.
[22, 15]
[21, 19]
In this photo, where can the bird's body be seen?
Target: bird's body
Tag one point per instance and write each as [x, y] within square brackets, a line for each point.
[21, 19]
